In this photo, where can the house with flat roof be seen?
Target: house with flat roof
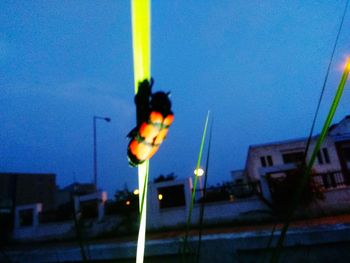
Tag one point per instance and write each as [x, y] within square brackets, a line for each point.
[331, 169]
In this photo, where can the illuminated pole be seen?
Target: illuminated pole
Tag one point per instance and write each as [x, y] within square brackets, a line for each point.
[141, 39]
[95, 147]
[199, 172]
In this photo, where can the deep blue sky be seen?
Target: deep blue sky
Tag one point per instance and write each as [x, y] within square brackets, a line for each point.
[257, 65]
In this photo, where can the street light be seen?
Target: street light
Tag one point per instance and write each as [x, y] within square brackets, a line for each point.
[198, 172]
[95, 148]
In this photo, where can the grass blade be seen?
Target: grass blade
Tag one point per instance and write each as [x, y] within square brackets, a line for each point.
[194, 187]
[307, 172]
[201, 216]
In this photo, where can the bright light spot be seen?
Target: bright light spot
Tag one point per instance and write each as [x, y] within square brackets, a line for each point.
[127, 202]
[136, 191]
[347, 66]
[160, 197]
[199, 172]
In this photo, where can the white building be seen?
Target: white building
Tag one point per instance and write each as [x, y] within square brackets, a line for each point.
[332, 166]
[169, 201]
[169, 205]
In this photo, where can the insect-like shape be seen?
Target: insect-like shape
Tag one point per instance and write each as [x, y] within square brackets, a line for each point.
[154, 117]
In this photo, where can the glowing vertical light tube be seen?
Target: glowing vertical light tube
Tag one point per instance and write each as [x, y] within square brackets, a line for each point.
[141, 240]
[141, 31]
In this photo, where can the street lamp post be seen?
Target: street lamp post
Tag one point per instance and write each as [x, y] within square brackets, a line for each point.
[95, 148]
[199, 172]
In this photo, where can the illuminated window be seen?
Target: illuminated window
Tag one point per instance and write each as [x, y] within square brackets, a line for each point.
[171, 196]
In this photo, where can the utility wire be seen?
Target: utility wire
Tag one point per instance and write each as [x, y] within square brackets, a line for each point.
[325, 82]
[307, 172]
[201, 216]
[317, 107]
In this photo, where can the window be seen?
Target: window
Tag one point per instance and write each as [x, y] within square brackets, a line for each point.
[323, 156]
[266, 161]
[26, 217]
[346, 152]
[295, 157]
[326, 155]
[319, 158]
[269, 160]
[89, 209]
[329, 180]
[171, 196]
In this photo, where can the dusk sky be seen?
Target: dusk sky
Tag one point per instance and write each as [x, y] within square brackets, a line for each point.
[258, 66]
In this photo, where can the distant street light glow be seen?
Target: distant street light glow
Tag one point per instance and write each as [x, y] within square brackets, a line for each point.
[199, 172]
[127, 202]
[136, 192]
[160, 197]
[347, 66]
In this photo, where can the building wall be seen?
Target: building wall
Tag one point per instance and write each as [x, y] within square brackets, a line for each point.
[64, 195]
[65, 230]
[336, 200]
[45, 231]
[7, 190]
[156, 217]
[28, 188]
[215, 212]
[343, 127]
[276, 151]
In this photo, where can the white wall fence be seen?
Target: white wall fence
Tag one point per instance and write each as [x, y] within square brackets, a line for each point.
[214, 212]
[35, 230]
[336, 200]
[251, 209]
[66, 229]
[44, 231]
